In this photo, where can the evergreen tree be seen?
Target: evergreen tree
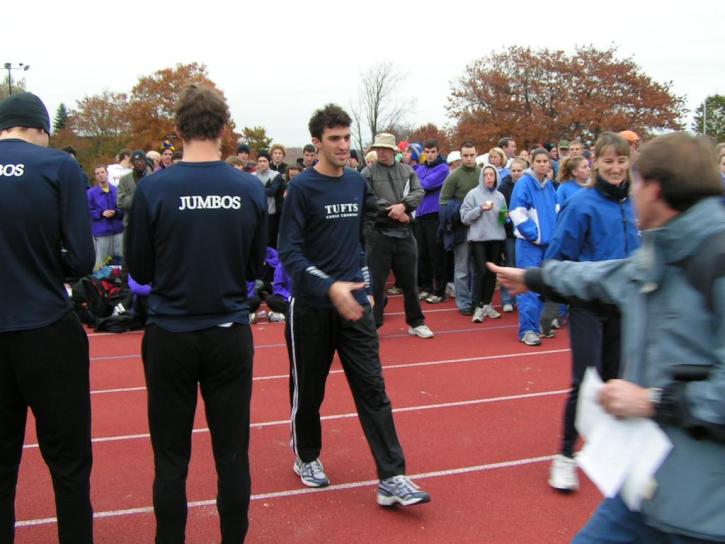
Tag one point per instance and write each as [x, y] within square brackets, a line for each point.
[714, 118]
[61, 118]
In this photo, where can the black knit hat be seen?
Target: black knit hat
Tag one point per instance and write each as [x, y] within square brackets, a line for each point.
[264, 153]
[24, 110]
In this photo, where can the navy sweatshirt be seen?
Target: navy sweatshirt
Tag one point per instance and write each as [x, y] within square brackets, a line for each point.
[43, 209]
[321, 235]
[197, 232]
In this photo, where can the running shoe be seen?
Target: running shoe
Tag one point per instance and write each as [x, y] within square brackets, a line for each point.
[421, 331]
[422, 295]
[312, 474]
[394, 290]
[400, 490]
[530, 338]
[508, 308]
[276, 317]
[434, 299]
[562, 475]
[478, 315]
[491, 312]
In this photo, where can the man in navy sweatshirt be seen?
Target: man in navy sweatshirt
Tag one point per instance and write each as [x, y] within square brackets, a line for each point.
[197, 232]
[321, 247]
[45, 236]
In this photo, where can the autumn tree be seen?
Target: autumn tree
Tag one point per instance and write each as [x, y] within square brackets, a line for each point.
[378, 107]
[100, 125]
[61, 118]
[431, 132]
[256, 138]
[543, 95]
[710, 120]
[150, 110]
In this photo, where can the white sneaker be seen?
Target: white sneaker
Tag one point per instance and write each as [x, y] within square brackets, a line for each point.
[421, 331]
[276, 317]
[252, 318]
[562, 476]
[491, 312]
[450, 290]
[508, 308]
[422, 295]
[478, 315]
[530, 338]
[394, 290]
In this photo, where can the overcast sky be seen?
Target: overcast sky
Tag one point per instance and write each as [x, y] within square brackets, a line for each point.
[277, 61]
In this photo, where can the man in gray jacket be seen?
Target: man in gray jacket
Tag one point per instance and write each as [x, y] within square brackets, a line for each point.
[394, 192]
[671, 295]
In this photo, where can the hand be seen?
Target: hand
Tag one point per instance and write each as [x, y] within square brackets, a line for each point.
[108, 213]
[404, 218]
[371, 300]
[341, 295]
[395, 211]
[486, 206]
[626, 399]
[511, 278]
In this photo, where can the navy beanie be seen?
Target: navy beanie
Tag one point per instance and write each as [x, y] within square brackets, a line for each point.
[24, 110]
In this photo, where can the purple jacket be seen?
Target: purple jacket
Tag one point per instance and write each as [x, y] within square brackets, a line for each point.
[431, 179]
[282, 284]
[98, 202]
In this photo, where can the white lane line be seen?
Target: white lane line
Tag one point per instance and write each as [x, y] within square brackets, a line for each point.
[308, 490]
[348, 415]
[385, 367]
[282, 345]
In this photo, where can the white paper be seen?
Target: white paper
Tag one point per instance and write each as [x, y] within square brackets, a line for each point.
[620, 455]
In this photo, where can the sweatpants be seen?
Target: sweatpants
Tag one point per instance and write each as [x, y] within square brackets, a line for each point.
[218, 360]
[509, 260]
[400, 255]
[46, 370]
[313, 336]
[484, 281]
[107, 247]
[431, 256]
[529, 255]
[595, 341]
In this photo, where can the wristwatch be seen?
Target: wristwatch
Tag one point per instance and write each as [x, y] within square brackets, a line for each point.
[654, 394]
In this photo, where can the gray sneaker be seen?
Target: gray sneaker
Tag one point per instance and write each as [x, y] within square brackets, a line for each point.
[530, 338]
[400, 490]
[276, 317]
[491, 312]
[478, 315]
[312, 474]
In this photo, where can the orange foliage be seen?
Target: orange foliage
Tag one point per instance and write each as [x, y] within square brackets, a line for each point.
[542, 96]
[431, 132]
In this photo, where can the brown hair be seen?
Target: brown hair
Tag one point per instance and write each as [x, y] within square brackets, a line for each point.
[201, 113]
[568, 165]
[605, 140]
[234, 160]
[683, 165]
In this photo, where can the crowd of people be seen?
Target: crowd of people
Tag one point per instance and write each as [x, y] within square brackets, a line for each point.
[315, 240]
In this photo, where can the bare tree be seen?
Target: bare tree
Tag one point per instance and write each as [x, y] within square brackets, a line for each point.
[378, 107]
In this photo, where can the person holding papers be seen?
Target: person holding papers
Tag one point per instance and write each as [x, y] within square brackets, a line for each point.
[671, 295]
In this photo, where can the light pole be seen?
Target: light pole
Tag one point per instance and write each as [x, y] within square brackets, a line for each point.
[10, 67]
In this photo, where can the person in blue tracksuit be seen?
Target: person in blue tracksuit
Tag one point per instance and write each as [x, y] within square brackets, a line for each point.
[596, 224]
[574, 174]
[533, 213]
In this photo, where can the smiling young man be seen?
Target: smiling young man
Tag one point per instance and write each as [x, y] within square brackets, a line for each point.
[196, 234]
[321, 247]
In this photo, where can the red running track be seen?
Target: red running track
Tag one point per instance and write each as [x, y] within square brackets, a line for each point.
[477, 412]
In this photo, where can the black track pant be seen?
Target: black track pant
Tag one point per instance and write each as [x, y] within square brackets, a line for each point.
[218, 360]
[431, 256]
[484, 281]
[46, 370]
[400, 255]
[595, 341]
[313, 336]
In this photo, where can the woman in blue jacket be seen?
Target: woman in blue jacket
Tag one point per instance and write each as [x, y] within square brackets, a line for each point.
[574, 174]
[596, 224]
